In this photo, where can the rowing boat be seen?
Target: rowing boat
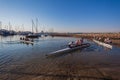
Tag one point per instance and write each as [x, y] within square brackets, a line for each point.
[67, 50]
[29, 42]
[103, 44]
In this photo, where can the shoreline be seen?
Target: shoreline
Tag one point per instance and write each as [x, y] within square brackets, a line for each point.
[115, 37]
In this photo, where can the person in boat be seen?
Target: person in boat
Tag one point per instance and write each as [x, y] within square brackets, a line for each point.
[99, 38]
[78, 42]
[107, 40]
[26, 39]
[71, 44]
[102, 39]
[81, 41]
[20, 38]
[23, 38]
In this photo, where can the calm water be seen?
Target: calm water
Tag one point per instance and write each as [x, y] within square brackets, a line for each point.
[23, 59]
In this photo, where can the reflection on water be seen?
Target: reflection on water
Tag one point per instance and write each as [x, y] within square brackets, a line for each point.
[26, 61]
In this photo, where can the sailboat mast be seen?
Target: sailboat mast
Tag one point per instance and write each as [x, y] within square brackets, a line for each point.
[0, 25]
[32, 26]
[36, 25]
[9, 26]
[22, 27]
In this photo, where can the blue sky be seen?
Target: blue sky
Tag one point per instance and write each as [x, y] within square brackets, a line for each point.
[63, 15]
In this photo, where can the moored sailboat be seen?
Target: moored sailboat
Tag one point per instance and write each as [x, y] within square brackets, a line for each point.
[33, 35]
